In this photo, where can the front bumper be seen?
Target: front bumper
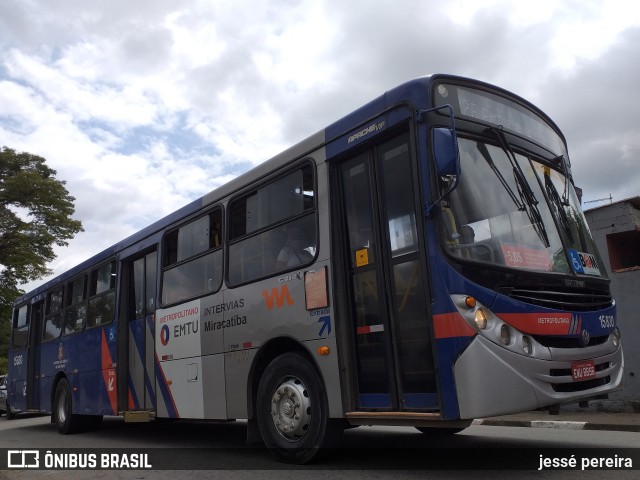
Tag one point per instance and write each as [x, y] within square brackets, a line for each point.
[491, 380]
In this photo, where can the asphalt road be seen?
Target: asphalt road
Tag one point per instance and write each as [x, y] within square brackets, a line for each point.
[209, 450]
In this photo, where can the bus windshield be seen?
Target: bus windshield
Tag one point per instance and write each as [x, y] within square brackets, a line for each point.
[499, 214]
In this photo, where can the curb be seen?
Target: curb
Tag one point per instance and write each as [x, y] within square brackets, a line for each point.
[563, 424]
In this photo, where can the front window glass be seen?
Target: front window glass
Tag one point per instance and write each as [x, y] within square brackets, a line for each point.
[565, 205]
[498, 212]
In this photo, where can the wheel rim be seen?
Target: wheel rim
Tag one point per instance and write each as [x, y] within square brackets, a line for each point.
[291, 409]
[62, 407]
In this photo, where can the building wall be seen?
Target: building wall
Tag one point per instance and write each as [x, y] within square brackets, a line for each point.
[616, 231]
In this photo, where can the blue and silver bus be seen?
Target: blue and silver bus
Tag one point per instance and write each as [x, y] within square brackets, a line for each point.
[423, 261]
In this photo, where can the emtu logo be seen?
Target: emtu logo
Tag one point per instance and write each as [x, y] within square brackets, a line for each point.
[277, 296]
[164, 335]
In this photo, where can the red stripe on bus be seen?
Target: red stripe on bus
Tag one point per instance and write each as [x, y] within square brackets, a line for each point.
[132, 404]
[450, 325]
[369, 329]
[540, 323]
[109, 375]
[164, 380]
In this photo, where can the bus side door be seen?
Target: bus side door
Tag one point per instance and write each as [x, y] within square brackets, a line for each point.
[383, 266]
[23, 373]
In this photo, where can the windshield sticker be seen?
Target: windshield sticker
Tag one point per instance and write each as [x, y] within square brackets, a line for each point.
[525, 257]
[584, 262]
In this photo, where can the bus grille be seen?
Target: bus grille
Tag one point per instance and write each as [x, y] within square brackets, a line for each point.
[568, 342]
[581, 386]
[561, 298]
[571, 386]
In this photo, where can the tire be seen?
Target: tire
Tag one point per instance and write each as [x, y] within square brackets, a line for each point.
[62, 414]
[10, 414]
[292, 410]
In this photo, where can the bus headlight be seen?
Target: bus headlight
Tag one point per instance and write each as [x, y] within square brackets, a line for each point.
[615, 337]
[490, 326]
[505, 334]
[481, 319]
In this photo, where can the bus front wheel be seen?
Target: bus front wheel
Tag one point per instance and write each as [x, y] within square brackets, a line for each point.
[63, 417]
[292, 410]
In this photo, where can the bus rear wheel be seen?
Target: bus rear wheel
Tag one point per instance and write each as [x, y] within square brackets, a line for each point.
[63, 417]
[292, 410]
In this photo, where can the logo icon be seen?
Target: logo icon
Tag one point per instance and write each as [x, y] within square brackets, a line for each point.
[585, 337]
[23, 459]
[164, 335]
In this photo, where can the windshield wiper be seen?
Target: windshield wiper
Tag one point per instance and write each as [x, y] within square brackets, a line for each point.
[567, 179]
[558, 206]
[482, 148]
[528, 200]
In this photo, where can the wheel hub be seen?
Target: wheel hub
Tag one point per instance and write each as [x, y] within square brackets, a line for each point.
[291, 409]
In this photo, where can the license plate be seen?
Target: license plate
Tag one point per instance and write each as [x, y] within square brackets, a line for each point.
[584, 370]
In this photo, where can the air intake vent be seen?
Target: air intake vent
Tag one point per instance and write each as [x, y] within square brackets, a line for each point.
[561, 298]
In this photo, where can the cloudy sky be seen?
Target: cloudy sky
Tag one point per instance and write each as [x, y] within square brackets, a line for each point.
[143, 106]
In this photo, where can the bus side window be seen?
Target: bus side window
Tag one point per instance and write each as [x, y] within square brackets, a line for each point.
[102, 295]
[75, 314]
[193, 259]
[21, 327]
[273, 228]
[53, 319]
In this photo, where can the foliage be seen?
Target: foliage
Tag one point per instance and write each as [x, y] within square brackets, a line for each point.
[35, 215]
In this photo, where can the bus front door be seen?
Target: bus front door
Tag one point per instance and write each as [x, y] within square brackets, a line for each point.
[388, 300]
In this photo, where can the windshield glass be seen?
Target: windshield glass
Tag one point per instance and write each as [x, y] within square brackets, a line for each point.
[498, 212]
[571, 221]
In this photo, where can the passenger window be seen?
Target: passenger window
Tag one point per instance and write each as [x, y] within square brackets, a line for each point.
[53, 319]
[273, 229]
[75, 314]
[21, 327]
[102, 292]
[193, 259]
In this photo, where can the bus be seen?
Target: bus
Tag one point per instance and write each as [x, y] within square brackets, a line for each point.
[423, 261]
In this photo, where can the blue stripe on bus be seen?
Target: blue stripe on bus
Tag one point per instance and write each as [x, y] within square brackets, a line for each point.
[420, 400]
[375, 400]
[134, 394]
[150, 375]
[172, 411]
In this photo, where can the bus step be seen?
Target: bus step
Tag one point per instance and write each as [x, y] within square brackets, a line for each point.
[137, 416]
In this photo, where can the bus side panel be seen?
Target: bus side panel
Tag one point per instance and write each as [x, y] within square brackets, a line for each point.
[214, 395]
[216, 311]
[17, 385]
[48, 355]
[237, 365]
[91, 377]
[184, 378]
[190, 368]
[272, 308]
[97, 382]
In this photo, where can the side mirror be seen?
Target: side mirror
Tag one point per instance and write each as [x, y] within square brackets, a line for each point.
[446, 155]
[445, 149]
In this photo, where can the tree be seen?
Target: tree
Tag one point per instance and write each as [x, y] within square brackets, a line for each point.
[35, 215]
